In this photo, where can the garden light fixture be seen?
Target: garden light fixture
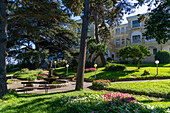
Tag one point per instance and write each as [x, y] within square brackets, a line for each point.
[157, 62]
[67, 69]
[95, 65]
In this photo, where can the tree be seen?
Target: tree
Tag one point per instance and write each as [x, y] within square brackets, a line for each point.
[136, 52]
[115, 9]
[47, 34]
[157, 25]
[3, 40]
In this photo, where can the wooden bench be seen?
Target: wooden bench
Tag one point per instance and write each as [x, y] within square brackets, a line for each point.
[35, 82]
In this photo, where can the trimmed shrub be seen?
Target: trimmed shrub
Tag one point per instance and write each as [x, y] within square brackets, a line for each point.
[163, 57]
[101, 83]
[89, 64]
[89, 69]
[115, 67]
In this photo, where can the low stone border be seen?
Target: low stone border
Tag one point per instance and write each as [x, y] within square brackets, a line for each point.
[134, 92]
[57, 85]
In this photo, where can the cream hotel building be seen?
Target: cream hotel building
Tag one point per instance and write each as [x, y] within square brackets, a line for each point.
[128, 34]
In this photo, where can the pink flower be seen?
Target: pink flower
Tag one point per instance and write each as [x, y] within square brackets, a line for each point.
[92, 112]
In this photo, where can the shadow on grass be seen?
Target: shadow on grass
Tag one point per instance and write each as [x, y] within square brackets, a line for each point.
[113, 75]
[44, 104]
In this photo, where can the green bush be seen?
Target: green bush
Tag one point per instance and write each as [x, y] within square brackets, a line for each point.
[101, 83]
[115, 67]
[10, 95]
[163, 57]
[89, 64]
[31, 78]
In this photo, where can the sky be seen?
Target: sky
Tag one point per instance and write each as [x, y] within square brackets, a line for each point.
[140, 10]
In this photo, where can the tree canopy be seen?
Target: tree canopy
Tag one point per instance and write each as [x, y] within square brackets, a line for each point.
[36, 35]
[136, 52]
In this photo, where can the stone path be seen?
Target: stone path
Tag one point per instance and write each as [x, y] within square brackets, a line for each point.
[19, 88]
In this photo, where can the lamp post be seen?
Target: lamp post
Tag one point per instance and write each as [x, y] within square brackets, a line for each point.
[55, 63]
[95, 65]
[157, 62]
[67, 69]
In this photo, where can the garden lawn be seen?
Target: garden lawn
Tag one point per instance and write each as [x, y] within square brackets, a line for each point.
[162, 87]
[25, 75]
[130, 72]
[51, 103]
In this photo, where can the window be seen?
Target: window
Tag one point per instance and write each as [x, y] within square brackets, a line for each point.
[117, 55]
[127, 40]
[118, 30]
[122, 29]
[126, 28]
[118, 42]
[123, 41]
[135, 23]
[154, 51]
[136, 39]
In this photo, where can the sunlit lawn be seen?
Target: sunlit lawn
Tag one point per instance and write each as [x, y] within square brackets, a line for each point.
[162, 87]
[130, 72]
[25, 75]
[50, 103]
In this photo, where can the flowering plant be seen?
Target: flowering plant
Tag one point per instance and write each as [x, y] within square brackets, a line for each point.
[89, 69]
[101, 83]
[118, 98]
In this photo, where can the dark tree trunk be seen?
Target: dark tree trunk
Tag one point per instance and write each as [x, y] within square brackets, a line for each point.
[96, 32]
[138, 64]
[37, 59]
[96, 58]
[3, 40]
[83, 44]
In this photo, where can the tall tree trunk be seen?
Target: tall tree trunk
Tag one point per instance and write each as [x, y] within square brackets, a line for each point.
[96, 58]
[96, 32]
[138, 64]
[3, 40]
[83, 44]
[37, 58]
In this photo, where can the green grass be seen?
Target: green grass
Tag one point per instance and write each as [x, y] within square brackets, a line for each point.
[26, 75]
[148, 65]
[130, 72]
[10, 73]
[156, 102]
[162, 87]
[49, 103]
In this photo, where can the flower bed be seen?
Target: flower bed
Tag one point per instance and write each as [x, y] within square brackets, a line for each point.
[101, 83]
[106, 103]
[89, 69]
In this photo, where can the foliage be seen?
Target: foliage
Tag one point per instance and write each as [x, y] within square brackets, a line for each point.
[31, 78]
[163, 56]
[136, 52]
[89, 69]
[146, 72]
[11, 94]
[111, 102]
[27, 74]
[159, 87]
[85, 100]
[109, 59]
[62, 63]
[89, 64]
[40, 29]
[118, 98]
[157, 25]
[114, 67]
[101, 83]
